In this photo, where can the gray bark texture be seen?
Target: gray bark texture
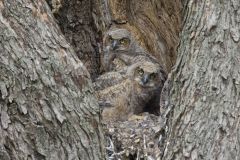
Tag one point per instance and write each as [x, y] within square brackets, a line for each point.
[47, 107]
[82, 23]
[203, 113]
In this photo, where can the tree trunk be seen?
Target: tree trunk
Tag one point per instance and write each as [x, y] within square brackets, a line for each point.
[204, 91]
[47, 107]
[82, 24]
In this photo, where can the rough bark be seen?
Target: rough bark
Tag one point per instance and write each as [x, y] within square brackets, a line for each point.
[47, 107]
[81, 23]
[205, 86]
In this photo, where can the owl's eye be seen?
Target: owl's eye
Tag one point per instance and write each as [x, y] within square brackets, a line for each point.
[123, 41]
[153, 76]
[140, 72]
[110, 38]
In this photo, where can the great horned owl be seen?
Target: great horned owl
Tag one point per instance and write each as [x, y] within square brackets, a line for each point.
[141, 82]
[119, 48]
[109, 79]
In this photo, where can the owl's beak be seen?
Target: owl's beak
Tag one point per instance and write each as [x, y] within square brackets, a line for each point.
[145, 79]
[115, 44]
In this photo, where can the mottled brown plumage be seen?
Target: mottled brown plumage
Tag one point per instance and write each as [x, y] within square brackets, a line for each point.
[132, 88]
[120, 49]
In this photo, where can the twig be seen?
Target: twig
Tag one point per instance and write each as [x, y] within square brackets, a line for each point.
[144, 146]
[137, 154]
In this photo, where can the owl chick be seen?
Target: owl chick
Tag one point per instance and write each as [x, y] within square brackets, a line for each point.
[109, 79]
[119, 49]
[141, 83]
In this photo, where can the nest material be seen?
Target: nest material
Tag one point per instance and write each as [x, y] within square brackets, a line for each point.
[135, 139]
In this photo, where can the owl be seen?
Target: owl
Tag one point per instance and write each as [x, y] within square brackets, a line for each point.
[109, 79]
[137, 85]
[120, 48]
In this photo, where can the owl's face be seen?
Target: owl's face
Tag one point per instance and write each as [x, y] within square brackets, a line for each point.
[118, 40]
[147, 75]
